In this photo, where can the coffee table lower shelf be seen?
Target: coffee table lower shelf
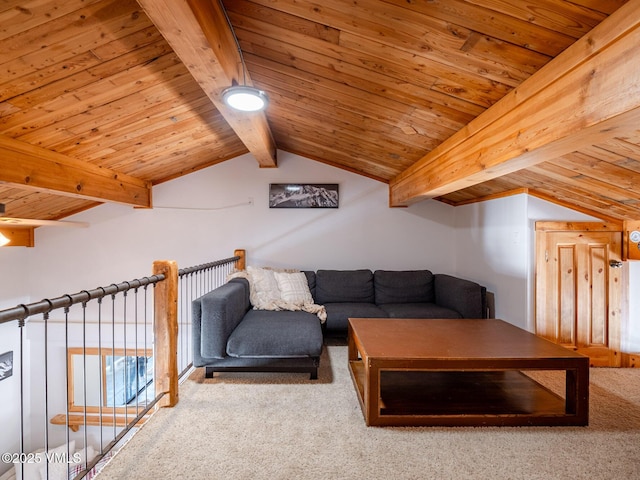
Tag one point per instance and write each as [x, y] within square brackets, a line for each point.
[460, 398]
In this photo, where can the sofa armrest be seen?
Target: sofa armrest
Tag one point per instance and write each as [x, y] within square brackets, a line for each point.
[215, 315]
[464, 296]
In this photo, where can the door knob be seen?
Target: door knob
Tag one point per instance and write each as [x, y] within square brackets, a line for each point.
[615, 263]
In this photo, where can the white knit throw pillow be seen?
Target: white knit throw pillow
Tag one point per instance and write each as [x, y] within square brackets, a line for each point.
[294, 288]
[263, 287]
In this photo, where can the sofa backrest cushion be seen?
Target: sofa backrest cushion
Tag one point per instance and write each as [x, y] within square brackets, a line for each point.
[337, 286]
[464, 296]
[406, 286]
[311, 280]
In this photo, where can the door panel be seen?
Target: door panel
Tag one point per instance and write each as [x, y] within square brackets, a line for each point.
[578, 292]
[567, 285]
[598, 335]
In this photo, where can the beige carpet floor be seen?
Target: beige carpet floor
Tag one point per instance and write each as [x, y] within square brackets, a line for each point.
[284, 426]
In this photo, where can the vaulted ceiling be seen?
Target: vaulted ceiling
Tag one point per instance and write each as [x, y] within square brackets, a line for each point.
[458, 100]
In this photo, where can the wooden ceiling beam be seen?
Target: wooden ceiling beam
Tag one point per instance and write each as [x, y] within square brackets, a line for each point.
[30, 166]
[587, 94]
[199, 34]
[19, 237]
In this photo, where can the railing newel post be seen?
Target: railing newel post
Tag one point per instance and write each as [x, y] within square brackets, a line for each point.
[166, 332]
[241, 263]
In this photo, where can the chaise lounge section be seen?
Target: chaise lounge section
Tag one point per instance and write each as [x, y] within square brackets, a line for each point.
[230, 336]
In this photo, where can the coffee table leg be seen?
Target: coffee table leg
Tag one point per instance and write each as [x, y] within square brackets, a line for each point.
[372, 393]
[577, 393]
[358, 366]
[351, 346]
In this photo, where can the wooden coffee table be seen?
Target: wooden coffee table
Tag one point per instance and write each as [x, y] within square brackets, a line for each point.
[461, 372]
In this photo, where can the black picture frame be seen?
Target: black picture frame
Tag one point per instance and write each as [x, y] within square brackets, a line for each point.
[304, 195]
[6, 365]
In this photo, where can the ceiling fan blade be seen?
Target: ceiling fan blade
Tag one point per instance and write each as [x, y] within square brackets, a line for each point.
[31, 222]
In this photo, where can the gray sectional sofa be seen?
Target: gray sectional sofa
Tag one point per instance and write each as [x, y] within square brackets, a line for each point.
[229, 335]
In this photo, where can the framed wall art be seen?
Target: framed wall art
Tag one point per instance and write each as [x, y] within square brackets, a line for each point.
[6, 365]
[303, 195]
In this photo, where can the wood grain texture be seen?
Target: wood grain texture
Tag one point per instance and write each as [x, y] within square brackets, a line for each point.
[371, 87]
[34, 167]
[165, 333]
[547, 116]
[19, 236]
[199, 33]
[578, 293]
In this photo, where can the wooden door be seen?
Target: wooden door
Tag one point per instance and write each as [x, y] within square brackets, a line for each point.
[579, 287]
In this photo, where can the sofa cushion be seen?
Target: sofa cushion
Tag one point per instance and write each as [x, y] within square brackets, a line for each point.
[281, 334]
[294, 287]
[418, 310]
[355, 286]
[466, 297]
[311, 280]
[407, 286]
[264, 286]
[338, 314]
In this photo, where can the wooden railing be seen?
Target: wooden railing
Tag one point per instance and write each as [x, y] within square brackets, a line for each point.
[166, 323]
[166, 329]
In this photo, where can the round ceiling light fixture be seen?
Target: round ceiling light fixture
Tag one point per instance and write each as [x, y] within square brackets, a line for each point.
[245, 98]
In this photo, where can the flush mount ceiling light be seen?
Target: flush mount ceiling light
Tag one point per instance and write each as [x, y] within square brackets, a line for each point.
[244, 98]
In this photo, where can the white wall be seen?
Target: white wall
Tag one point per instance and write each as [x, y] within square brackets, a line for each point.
[631, 340]
[492, 248]
[122, 242]
[363, 233]
[497, 239]
[13, 276]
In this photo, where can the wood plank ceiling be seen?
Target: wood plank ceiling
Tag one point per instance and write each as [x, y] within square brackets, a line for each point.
[98, 102]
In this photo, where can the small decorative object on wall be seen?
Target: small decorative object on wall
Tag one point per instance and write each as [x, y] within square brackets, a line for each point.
[6, 365]
[303, 195]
